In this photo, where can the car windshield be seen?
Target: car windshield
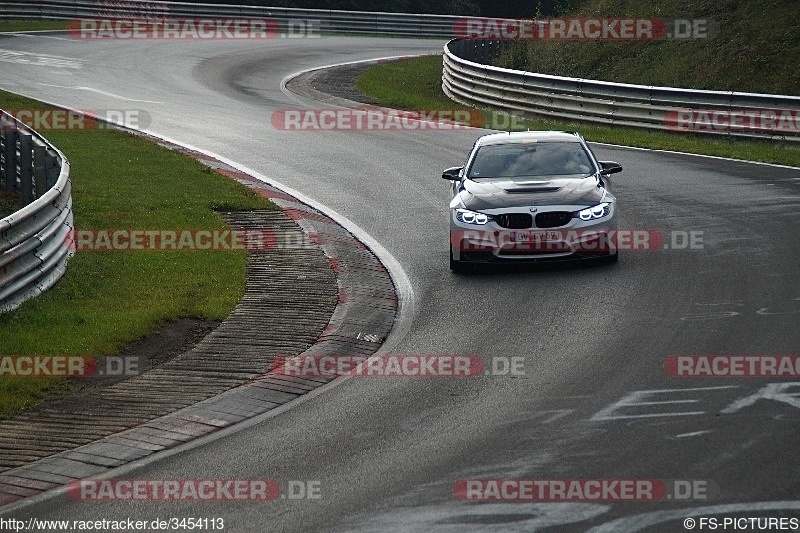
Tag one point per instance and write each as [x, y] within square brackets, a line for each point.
[515, 160]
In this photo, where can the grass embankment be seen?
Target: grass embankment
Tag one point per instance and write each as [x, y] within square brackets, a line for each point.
[416, 84]
[107, 299]
[8, 203]
[751, 47]
[33, 25]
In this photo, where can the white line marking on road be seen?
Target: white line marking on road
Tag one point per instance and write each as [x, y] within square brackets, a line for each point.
[692, 434]
[39, 60]
[778, 392]
[633, 399]
[763, 311]
[729, 302]
[653, 415]
[98, 91]
[17, 52]
[39, 36]
[710, 316]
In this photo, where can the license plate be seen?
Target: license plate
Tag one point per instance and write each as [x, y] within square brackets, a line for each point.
[534, 236]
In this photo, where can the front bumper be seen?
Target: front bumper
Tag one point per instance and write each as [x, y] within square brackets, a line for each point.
[492, 243]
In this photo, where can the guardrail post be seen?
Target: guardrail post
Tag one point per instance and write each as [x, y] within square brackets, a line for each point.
[52, 168]
[9, 164]
[39, 169]
[26, 168]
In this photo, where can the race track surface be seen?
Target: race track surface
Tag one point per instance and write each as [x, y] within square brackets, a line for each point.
[387, 452]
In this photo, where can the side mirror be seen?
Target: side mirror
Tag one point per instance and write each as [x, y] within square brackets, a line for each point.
[609, 167]
[452, 173]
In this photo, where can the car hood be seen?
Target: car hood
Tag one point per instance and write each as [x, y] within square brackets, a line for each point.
[522, 192]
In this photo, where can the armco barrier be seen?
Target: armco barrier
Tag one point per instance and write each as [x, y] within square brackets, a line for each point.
[466, 78]
[353, 22]
[37, 241]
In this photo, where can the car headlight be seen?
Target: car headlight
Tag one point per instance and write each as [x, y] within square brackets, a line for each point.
[471, 217]
[594, 212]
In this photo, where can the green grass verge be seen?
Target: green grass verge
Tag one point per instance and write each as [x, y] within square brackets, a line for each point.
[8, 203]
[108, 299]
[33, 25]
[416, 84]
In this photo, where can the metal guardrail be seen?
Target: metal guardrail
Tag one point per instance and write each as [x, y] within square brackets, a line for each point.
[335, 21]
[468, 80]
[37, 241]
